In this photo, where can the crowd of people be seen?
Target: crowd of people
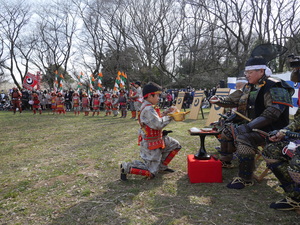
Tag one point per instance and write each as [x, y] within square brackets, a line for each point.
[111, 102]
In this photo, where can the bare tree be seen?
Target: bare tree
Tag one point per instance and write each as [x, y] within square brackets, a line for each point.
[14, 18]
[235, 20]
[3, 78]
[91, 37]
[291, 32]
[198, 51]
[170, 20]
[141, 31]
[55, 29]
[239, 26]
[273, 19]
[2, 57]
[102, 38]
[152, 31]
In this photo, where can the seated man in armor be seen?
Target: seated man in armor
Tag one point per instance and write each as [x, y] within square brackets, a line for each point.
[156, 148]
[265, 101]
[284, 159]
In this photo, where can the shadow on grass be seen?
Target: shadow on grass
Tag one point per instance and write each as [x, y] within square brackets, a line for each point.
[214, 203]
[165, 201]
[109, 207]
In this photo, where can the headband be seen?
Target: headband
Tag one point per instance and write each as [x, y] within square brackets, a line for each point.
[268, 71]
[151, 93]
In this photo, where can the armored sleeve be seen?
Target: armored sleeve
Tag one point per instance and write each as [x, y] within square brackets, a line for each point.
[150, 117]
[138, 93]
[275, 101]
[230, 101]
[281, 96]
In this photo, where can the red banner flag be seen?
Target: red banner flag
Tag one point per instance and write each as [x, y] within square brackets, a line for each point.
[30, 81]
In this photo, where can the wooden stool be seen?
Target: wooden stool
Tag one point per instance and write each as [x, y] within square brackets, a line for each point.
[266, 171]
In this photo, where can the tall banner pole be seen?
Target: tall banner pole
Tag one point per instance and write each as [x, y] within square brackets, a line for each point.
[38, 75]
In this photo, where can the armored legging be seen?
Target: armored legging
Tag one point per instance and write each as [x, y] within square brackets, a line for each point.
[280, 165]
[16, 104]
[245, 147]
[154, 160]
[123, 109]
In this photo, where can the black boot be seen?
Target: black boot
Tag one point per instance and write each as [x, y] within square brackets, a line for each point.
[246, 167]
[123, 174]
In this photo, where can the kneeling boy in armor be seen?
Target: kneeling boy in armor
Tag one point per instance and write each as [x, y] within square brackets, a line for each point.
[156, 149]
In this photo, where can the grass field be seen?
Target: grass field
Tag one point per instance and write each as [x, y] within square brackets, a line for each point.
[62, 169]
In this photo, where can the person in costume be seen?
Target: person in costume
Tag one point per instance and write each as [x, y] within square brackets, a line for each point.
[156, 149]
[60, 103]
[68, 99]
[36, 103]
[53, 102]
[107, 103]
[48, 98]
[115, 104]
[25, 99]
[76, 103]
[101, 94]
[85, 102]
[16, 96]
[282, 156]
[96, 104]
[169, 99]
[132, 92]
[43, 99]
[266, 102]
[123, 103]
[137, 96]
[4, 98]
